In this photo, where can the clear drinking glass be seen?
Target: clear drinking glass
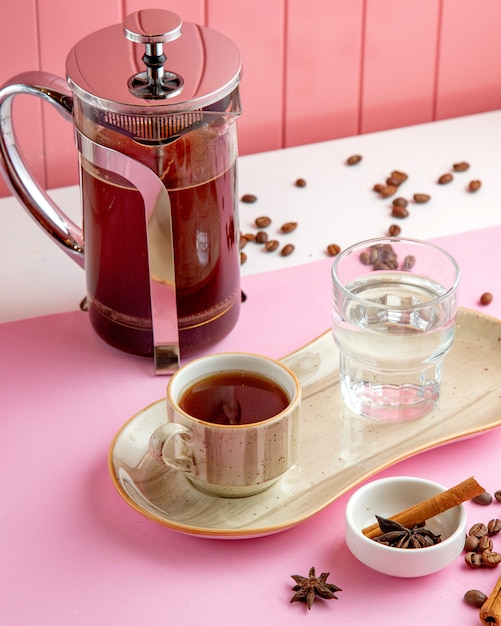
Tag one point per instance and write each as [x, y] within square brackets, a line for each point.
[394, 313]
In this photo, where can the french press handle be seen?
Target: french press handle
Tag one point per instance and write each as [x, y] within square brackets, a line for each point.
[21, 182]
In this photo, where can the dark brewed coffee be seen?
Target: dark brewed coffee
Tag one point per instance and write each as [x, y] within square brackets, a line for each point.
[234, 397]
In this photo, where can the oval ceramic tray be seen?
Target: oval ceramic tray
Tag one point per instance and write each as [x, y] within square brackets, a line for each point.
[338, 449]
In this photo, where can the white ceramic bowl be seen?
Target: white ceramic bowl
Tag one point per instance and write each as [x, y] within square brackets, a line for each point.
[386, 497]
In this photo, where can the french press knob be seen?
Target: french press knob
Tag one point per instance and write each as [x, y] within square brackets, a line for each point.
[154, 28]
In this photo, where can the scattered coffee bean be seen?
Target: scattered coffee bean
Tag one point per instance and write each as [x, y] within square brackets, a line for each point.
[475, 598]
[401, 176]
[333, 249]
[474, 185]
[271, 245]
[378, 188]
[388, 191]
[485, 543]
[400, 202]
[408, 262]
[365, 259]
[462, 166]
[490, 559]
[288, 227]
[471, 543]
[287, 250]
[478, 530]
[421, 198]
[494, 526]
[84, 304]
[250, 236]
[399, 211]
[394, 230]
[473, 559]
[497, 495]
[261, 236]
[380, 256]
[484, 499]
[300, 182]
[486, 298]
[249, 198]
[393, 180]
[445, 178]
[242, 242]
[243, 258]
[353, 160]
[263, 221]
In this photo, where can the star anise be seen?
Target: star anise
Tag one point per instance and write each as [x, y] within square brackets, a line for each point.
[308, 588]
[398, 536]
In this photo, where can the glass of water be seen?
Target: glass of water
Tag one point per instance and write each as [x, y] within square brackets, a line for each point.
[394, 313]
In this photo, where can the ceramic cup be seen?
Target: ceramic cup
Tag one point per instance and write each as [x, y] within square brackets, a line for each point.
[230, 459]
[394, 312]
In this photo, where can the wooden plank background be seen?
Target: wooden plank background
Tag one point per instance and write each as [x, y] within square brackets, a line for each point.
[313, 69]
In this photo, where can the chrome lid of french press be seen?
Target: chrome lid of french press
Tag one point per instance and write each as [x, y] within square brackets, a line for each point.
[155, 77]
[183, 66]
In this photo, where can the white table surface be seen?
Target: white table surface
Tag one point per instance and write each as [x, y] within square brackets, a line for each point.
[337, 205]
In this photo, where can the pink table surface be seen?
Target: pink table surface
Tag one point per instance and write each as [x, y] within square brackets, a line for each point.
[73, 552]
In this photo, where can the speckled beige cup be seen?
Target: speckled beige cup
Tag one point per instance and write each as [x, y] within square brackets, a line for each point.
[229, 460]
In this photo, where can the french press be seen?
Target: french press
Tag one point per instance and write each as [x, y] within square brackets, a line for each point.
[153, 103]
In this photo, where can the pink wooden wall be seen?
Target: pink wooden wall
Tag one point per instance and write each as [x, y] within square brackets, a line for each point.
[313, 69]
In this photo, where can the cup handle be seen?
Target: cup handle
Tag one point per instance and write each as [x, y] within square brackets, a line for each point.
[163, 447]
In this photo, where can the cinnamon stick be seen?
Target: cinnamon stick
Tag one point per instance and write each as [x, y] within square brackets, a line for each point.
[490, 613]
[419, 513]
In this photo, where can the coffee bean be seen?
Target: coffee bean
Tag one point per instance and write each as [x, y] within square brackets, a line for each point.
[271, 245]
[485, 543]
[473, 559]
[249, 236]
[497, 495]
[401, 176]
[333, 249]
[242, 242]
[399, 202]
[287, 250]
[249, 198]
[445, 178]
[262, 222]
[388, 191]
[494, 526]
[378, 188]
[300, 182]
[394, 230]
[399, 211]
[471, 543]
[478, 530]
[393, 180]
[490, 559]
[261, 237]
[474, 185]
[475, 598]
[288, 227]
[243, 258]
[421, 198]
[365, 259]
[484, 499]
[408, 262]
[462, 166]
[486, 298]
[353, 160]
